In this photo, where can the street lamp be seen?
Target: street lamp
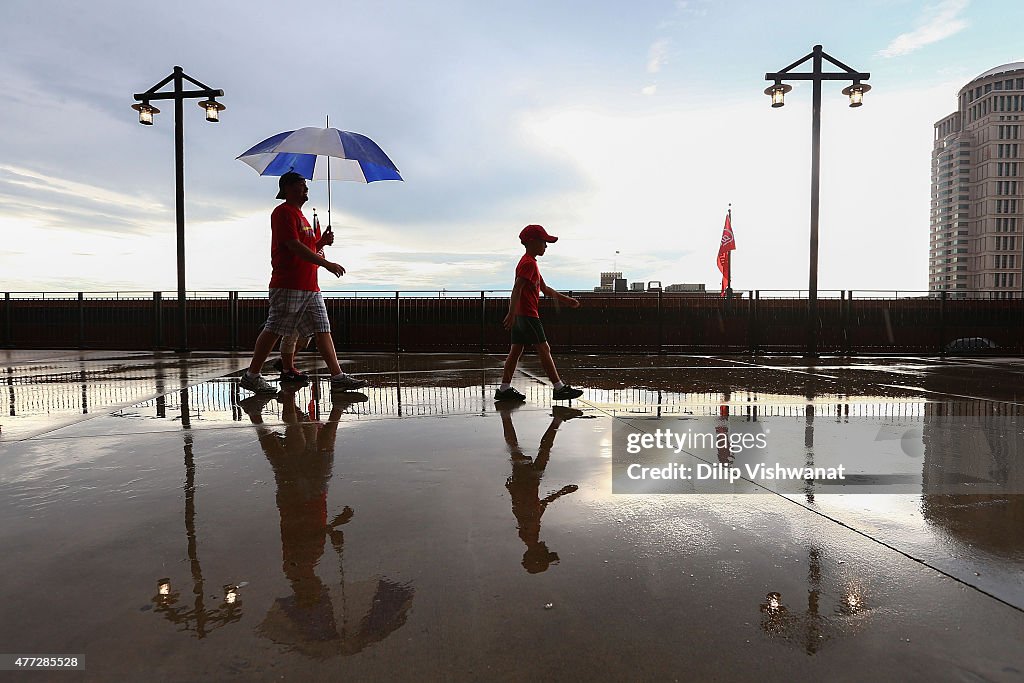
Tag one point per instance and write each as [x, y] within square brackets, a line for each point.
[213, 109]
[146, 114]
[777, 93]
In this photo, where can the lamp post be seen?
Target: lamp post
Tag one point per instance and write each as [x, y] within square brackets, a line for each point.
[777, 92]
[146, 114]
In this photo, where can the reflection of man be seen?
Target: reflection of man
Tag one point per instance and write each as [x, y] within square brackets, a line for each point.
[302, 459]
[524, 484]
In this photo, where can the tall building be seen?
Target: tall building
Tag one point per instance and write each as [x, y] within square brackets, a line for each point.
[977, 207]
[608, 282]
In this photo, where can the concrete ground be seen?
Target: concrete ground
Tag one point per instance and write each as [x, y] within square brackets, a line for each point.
[163, 526]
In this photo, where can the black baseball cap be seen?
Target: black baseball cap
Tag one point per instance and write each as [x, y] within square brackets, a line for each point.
[289, 178]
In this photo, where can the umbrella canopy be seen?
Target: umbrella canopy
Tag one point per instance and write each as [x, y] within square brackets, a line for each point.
[377, 607]
[322, 154]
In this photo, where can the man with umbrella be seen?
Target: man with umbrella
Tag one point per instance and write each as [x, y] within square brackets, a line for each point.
[296, 304]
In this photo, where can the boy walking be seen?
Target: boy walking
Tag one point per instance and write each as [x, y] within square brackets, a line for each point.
[523, 319]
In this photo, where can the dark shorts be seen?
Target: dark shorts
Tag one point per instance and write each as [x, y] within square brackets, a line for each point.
[527, 331]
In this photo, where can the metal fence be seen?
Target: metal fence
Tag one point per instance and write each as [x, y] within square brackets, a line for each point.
[627, 322]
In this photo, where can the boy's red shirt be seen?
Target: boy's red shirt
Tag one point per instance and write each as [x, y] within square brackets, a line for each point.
[529, 298]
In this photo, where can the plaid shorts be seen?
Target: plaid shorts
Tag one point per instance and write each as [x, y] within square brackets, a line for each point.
[297, 312]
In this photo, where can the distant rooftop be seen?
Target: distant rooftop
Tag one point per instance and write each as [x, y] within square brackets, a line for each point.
[1012, 66]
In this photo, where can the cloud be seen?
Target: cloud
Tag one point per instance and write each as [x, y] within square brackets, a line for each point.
[657, 56]
[80, 206]
[939, 22]
[649, 89]
[27, 178]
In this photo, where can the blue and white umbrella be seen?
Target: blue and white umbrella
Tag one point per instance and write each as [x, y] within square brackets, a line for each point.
[322, 154]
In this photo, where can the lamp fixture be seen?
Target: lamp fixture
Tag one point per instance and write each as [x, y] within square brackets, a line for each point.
[146, 111]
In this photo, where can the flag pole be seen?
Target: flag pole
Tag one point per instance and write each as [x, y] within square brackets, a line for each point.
[728, 259]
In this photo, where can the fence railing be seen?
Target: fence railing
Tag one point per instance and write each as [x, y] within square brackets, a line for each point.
[859, 321]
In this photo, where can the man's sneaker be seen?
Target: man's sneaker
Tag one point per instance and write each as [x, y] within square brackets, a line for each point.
[566, 393]
[256, 384]
[293, 377]
[346, 383]
[509, 394]
[344, 399]
[254, 405]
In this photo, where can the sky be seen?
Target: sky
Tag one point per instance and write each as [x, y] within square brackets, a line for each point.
[626, 129]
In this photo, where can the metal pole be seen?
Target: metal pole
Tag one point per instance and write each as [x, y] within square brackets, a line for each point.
[844, 315]
[661, 324]
[572, 347]
[158, 320]
[751, 346]
[179, 207]
[328, 119]
[757, 320]
[942, 323]
[849, 321]
[398, 324]
[812, 286]
[728, 274]
[233, 318]
[483, 319]
[8, 341]
[81, 320]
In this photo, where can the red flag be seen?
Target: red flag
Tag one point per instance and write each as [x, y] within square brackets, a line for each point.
[724, 257]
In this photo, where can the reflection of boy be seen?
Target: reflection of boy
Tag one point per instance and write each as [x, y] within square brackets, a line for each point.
[523, 319]
[524, 486]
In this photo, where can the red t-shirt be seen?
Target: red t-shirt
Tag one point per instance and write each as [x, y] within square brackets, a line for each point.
[529, 298]
[288, 270]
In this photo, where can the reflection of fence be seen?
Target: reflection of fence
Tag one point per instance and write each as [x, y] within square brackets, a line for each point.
[217, 401]
[645, 322]
[85, 396]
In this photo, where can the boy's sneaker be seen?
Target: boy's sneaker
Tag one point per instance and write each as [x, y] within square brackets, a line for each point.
[292, 377]
[346, 383]
[509, 394]
[566, 393]
[256, 384]
[564, 413]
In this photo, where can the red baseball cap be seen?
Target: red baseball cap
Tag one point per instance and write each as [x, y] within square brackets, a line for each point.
[535, 232]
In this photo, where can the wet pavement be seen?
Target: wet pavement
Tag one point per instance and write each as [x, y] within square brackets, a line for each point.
[165, 526]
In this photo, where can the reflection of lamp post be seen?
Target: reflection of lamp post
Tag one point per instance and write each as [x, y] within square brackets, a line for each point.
[778, 92]
[197, 617]
[811, 627]
[146, 113]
